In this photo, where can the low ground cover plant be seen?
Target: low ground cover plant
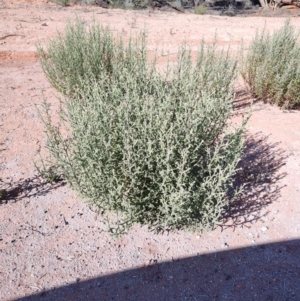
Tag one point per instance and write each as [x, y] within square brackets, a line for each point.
[271, 67]
[154, 148]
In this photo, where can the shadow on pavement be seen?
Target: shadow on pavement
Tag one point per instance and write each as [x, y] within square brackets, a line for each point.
[269, 272]
[26, 188]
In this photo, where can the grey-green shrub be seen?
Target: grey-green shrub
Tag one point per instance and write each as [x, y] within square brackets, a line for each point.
[156, 149]
[78, 54]
[62, 2]
[71, 58]
[271, 67]
[200, 9]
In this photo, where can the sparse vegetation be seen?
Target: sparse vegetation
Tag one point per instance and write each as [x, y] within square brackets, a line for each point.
[78, 55]
[200, 9]
[63, 2]
[153, 148]
[2, 194]
[271, 67]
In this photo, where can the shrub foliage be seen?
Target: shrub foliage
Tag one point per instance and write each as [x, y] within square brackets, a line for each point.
[271, 68]
[62, 2]
[78, 54]
[200, 9]
[155, 148]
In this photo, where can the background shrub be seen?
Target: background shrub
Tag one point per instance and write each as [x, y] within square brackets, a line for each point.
[200, 9]
[156, 149]
[62, 2]
[271, 68]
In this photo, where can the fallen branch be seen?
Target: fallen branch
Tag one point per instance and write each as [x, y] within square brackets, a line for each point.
[10, 35]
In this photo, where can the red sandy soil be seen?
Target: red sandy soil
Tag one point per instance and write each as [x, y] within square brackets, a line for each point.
[50, 240]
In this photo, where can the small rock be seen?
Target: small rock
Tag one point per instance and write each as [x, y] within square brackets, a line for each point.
[230, 13]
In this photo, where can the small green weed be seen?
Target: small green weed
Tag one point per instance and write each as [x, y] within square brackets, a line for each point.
[49, 173]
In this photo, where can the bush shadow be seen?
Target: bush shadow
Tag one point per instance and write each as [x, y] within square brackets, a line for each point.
[259, 174]
[269, 272]
[243, 101]
[26, 188]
